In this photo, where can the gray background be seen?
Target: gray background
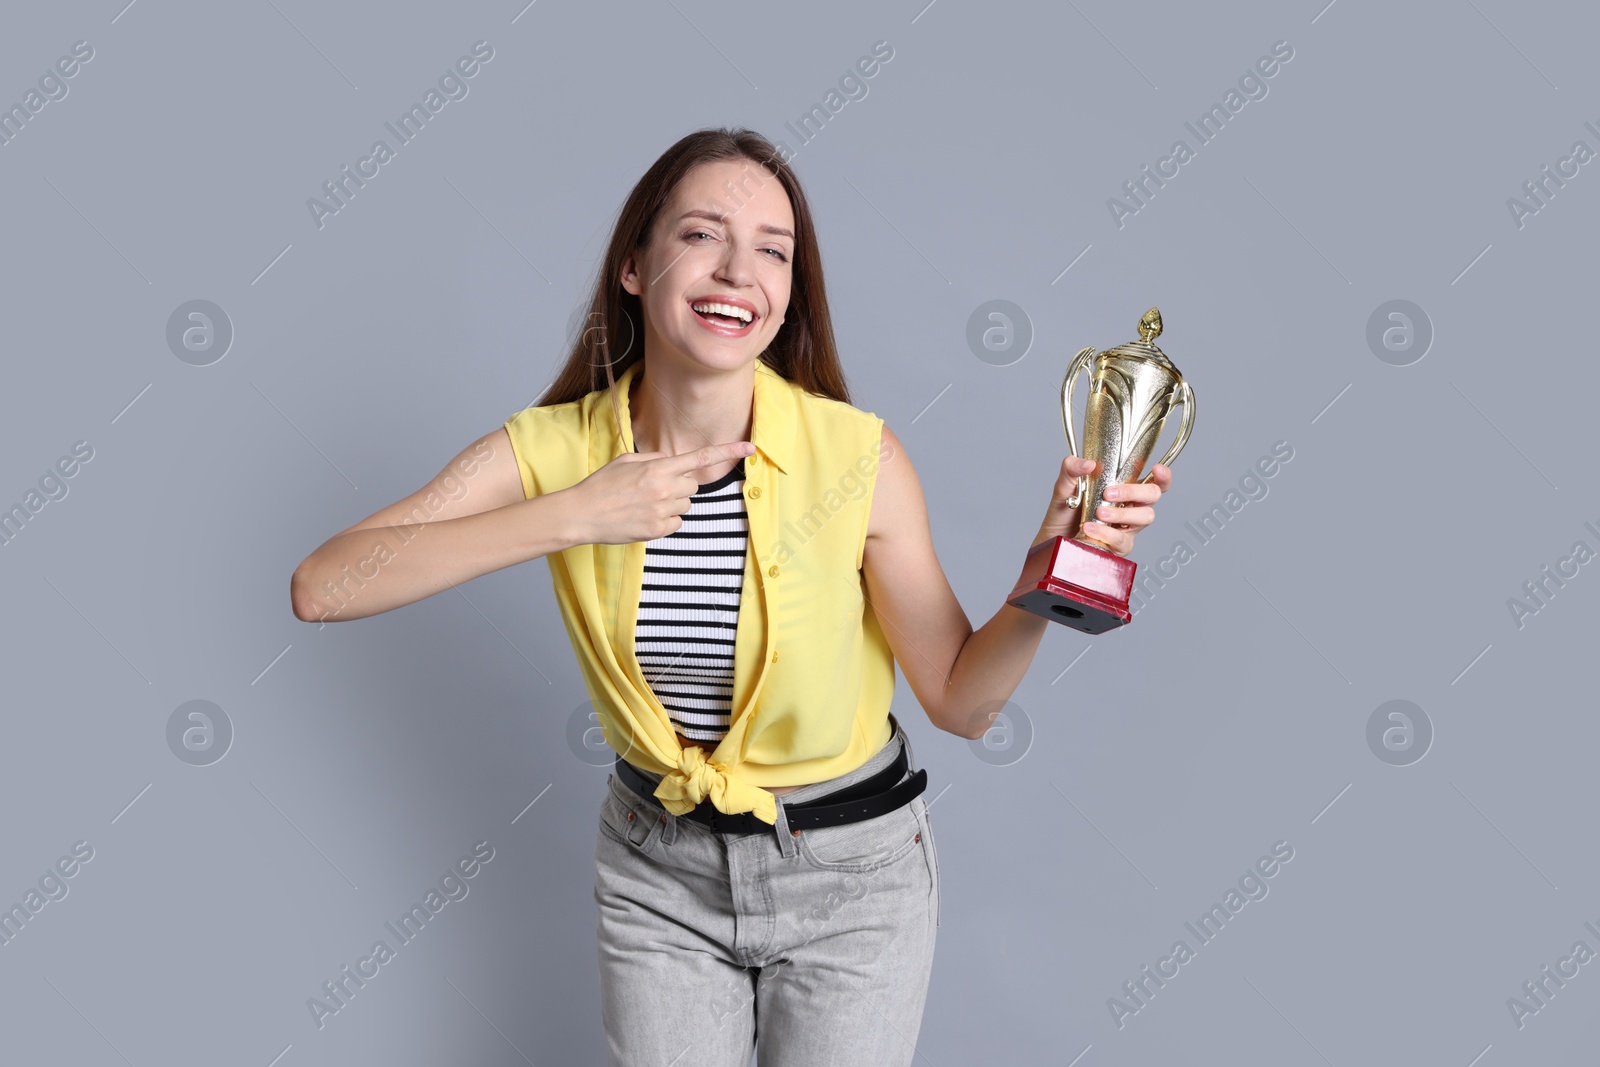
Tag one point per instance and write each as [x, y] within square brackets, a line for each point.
[1165, 757]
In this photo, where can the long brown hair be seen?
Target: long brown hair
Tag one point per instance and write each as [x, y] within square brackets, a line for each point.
[803, 350]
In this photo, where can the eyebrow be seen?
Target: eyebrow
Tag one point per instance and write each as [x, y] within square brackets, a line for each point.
[717, 216]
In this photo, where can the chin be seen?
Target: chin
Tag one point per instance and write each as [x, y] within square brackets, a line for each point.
[714, 356]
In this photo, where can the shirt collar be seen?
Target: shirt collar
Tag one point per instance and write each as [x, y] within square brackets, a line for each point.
[772, 415]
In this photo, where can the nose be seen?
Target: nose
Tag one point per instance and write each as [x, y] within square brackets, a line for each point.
[737, 267]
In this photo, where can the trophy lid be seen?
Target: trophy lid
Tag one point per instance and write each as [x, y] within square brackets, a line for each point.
[1149, 330]
[1150, 326]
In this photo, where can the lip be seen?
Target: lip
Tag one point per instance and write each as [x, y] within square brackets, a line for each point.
[719, 330]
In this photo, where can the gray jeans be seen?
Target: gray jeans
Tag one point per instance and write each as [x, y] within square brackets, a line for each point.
[812, 947]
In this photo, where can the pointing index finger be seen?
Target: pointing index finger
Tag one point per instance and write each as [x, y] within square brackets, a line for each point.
[707, 455]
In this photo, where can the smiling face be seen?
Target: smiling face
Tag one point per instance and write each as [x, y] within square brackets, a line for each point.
[724, 243]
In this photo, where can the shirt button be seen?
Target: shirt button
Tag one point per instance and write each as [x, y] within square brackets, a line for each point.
[773, 570]
[774, 655]
[755, 491]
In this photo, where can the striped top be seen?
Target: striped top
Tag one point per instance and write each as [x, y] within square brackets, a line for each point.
[689, 609]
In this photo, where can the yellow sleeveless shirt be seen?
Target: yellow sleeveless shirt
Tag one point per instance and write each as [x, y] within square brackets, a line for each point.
[813, 673]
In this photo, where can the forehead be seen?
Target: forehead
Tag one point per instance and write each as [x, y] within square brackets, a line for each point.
[742, 190]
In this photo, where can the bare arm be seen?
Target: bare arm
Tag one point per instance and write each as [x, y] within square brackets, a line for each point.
[925, 625]
[468, 521]
[960, 676]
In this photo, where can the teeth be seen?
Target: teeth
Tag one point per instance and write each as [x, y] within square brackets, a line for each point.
[724, 309]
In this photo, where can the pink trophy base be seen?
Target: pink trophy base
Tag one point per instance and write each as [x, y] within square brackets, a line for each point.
[1075, 584]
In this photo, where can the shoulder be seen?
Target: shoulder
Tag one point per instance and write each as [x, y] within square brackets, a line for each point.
[836, 421]
[898, 505]
[546, 427]
[538, 417]
[550, 443]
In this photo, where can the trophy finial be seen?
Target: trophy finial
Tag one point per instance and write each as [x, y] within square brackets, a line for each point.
[1150, 326]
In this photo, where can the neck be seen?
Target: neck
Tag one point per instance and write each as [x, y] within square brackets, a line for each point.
[674, 412]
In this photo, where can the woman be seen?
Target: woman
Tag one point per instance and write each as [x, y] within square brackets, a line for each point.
[707, 498]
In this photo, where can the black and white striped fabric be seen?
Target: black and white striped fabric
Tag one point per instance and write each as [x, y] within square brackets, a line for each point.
[689, 609]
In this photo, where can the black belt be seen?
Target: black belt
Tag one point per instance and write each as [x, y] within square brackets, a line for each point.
[881, 793]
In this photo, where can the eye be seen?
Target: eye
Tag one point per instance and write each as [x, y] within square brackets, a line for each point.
[777, 253]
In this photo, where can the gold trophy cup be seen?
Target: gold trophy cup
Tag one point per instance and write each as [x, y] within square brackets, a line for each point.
[1132, 390]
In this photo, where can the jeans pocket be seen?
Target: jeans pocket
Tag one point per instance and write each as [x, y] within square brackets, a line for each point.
[865, 845]
[627, 818]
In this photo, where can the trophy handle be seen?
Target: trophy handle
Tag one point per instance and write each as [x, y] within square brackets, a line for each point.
[1078, 363]
[1186, 398]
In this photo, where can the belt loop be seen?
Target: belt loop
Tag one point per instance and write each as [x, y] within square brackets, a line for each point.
[786, 844]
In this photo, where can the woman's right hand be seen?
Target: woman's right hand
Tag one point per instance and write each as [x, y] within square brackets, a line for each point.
[640, 496]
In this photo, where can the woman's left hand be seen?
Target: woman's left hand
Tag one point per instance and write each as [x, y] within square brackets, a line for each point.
[1129, 507]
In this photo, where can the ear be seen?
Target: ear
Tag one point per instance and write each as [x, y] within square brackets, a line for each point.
[630, 276]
